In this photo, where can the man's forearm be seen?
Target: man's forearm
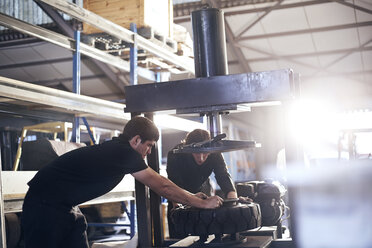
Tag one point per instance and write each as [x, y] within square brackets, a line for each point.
[176, 194]
[172, 192]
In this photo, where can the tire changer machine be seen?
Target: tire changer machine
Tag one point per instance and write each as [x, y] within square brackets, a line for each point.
[212, 93]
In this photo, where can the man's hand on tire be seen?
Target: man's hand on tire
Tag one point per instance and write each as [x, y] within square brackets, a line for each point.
[201, 195]
[213, 202]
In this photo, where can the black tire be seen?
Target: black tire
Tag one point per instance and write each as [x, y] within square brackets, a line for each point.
[272, 211]
[223, 220]
[245, 190]
[13, 230]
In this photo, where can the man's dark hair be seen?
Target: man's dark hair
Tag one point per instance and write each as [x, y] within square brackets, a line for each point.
[197, 135]
[141, 126]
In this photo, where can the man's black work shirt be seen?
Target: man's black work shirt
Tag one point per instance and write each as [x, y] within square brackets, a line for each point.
[186, 173]
[86, 173]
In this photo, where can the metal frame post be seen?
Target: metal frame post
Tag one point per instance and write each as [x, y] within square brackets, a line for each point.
[76, 84]
[142, 192]
[132, 219]
[93, 139]
[158, 76]
[2, 214]
[133, 56]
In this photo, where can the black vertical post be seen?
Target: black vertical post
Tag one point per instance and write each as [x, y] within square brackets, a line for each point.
[155, 200]
[143, 221]
[208, 28]
[210, 58]
[143, 212]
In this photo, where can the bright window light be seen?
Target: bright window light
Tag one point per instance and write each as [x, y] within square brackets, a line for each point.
[317, 126]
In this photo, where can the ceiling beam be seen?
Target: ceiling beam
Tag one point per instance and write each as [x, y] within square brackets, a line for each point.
[184, 9]
[352, 73]
[301, 55]
[283, 6]
[37, 63]
[57, 18]
[64, 80]
[278, 57]
[259, 18]
[237, 50]
[345, 55]
[306, 31]
[263, 9]
[291, 58]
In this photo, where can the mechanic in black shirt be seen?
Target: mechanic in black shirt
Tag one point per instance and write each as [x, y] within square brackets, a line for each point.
[191, 172]
[51, 218]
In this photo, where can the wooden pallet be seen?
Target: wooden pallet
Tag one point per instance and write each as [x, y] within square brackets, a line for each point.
[158, 38]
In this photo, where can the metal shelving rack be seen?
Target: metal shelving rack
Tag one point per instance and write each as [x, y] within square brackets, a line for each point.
[22, 93]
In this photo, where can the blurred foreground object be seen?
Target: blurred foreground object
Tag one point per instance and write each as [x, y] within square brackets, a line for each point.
[331, 205]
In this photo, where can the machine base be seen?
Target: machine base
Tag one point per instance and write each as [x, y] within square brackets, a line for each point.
[263, 237]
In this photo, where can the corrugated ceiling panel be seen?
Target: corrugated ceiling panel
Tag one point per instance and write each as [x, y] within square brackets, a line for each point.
[285, 20]
[308, 64]
[22, 54]
[66, 69]
[49, 50]
[94, 86]
[296, 44]
[365, 34]
[42, 72]
[257, 45]
[5, 59]
[329, 14]
[264, 65]
[338, 39]
[28, 11]
[18, 74]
